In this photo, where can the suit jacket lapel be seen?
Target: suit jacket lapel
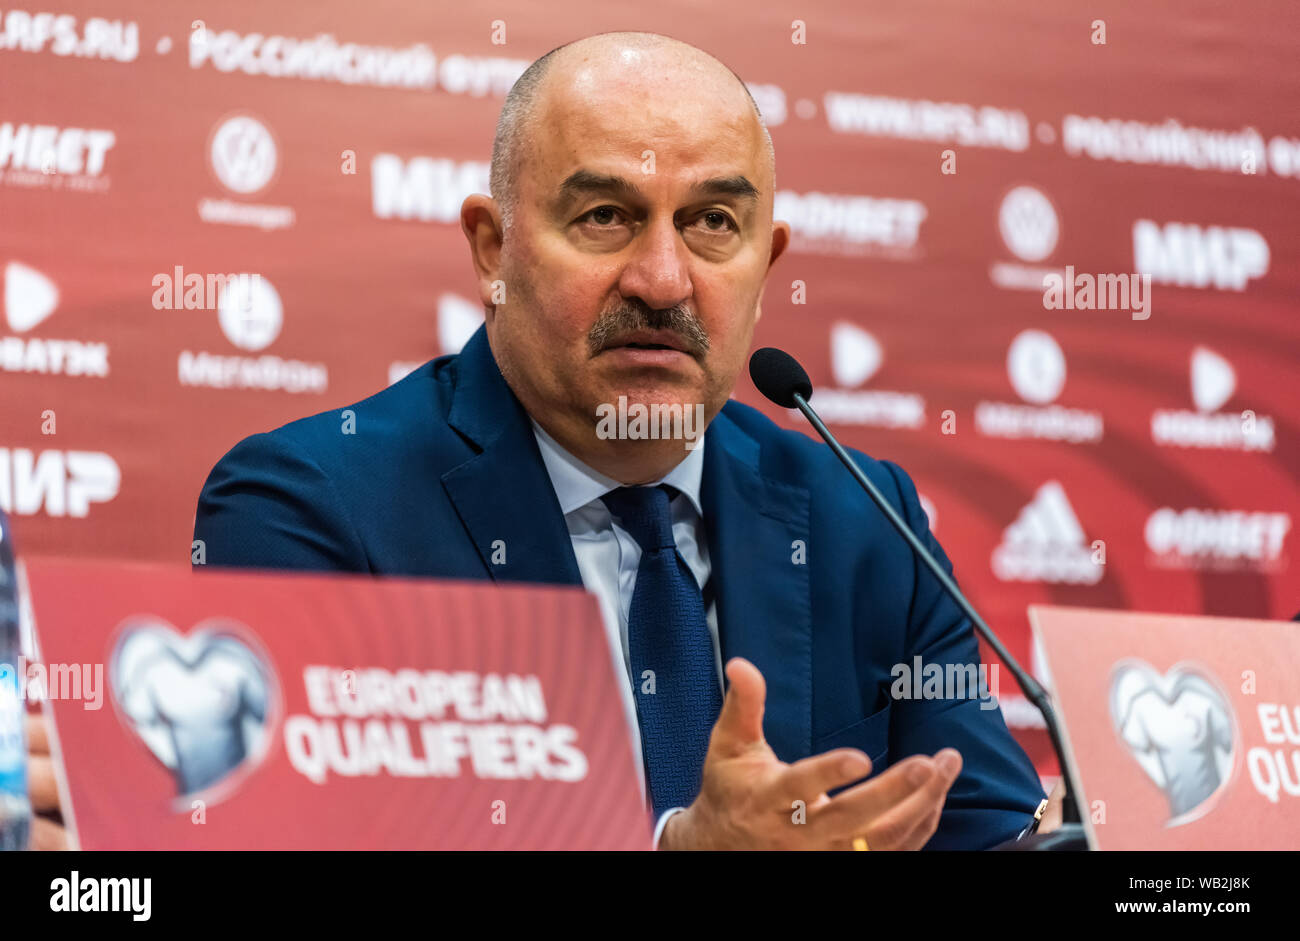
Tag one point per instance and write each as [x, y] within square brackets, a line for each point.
[503, 494]
[756, 526]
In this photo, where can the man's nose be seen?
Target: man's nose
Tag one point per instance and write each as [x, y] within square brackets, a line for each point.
[658, 271]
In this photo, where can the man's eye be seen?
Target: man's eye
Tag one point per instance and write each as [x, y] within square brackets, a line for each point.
[717, 221]
[602, 215]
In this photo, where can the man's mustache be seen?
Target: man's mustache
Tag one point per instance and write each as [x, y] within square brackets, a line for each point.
[633, 315]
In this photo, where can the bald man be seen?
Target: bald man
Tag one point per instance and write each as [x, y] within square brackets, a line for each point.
[621, 261]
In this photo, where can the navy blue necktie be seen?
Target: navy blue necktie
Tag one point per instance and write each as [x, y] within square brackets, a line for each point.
[667, 634]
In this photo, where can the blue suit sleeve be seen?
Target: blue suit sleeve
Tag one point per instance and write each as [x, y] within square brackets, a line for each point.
[268, 505]
[998, 790]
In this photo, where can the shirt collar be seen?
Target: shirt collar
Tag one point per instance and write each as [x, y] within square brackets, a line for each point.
[577, 485]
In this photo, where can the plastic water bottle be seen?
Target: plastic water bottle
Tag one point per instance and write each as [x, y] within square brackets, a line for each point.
[15, 808]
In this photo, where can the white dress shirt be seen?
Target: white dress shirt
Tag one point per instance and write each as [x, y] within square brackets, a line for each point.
[608, 557]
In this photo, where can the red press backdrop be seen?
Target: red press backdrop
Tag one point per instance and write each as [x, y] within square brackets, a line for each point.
[936, 160]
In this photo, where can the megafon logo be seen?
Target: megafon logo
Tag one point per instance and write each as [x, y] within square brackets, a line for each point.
[1187, 255]
[1030, 229]
[244, 159]
[250, 314]
[856, 356]
[1214, 382]
[61, 483]
[1047, 544]
[458, 318]
[1036, 368]
[29, 298]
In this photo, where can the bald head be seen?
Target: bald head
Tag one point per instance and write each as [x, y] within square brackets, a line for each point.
[628, 66]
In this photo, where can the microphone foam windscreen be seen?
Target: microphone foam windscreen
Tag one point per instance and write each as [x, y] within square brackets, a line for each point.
[779, 376]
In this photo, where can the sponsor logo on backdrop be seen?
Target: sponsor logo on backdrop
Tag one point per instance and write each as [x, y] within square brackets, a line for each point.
[43, 155]
[1036, 368]
[771, 103]
[326, 59]
[1213, 383]
[1189, 256]
[205, 705]
[1166, 144]
[426, 189]
[244, 157]
[1047, 544]
[939, 121]
[458, 318]
[29, 298]
[856, 356]
[834, 224]
[1180, 728]
[59, 34]
[1030, 230]
[57, 483]
[1216, 539]
[250, 315]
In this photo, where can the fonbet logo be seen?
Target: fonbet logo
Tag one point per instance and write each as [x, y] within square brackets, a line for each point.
[42, 155]
[1030, 230]
[1047, 544]
[204, 705]
[835, 224]
[250, 315]
[1214, 382]
[29, 298]
[59, 483]
[1190, 256]
[244, 158]
[457, 321]
[856, 356]
[1036, 368]
[1217, 539]
[1180, 729]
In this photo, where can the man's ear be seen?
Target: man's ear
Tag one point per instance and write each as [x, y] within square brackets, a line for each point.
[780, 241]
[480, 220]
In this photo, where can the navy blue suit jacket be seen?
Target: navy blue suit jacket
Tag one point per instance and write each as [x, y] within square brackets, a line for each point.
[444, 463]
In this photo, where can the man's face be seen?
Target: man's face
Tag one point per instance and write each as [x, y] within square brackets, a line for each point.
[640, 240]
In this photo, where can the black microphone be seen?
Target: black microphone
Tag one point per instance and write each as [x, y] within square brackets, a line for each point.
[781, 379]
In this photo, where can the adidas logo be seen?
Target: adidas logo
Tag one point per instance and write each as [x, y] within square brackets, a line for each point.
[1047, 544]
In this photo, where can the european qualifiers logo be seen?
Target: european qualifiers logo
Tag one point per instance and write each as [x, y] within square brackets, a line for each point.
[1036, 368]
[1181, 730]
[1214, 382]
[244, 159]
[250, 315]
[1047, 544]
[30, 297]
[37, 156]
[856, 356]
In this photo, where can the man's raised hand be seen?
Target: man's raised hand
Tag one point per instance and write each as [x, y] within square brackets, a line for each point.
[749, 798]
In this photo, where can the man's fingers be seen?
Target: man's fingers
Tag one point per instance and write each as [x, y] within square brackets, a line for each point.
[809, 778]
[47, 835]
[910, 823]
[38, 741]
[851, 813]
[42, 789]
[741, 721]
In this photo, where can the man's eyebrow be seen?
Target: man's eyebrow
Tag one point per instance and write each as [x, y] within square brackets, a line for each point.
[585, 183]
[727, 186]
